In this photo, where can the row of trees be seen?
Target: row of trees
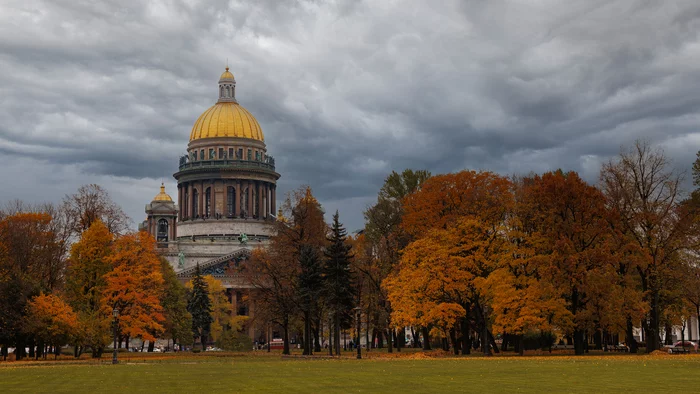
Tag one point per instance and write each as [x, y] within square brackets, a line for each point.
[65, 268]
[465, 255]
[304, 278]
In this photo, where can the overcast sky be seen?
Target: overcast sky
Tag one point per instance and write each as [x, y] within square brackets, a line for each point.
[345, 91]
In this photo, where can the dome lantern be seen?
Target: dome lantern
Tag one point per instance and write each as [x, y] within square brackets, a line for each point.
[227, 118]
[227, 87]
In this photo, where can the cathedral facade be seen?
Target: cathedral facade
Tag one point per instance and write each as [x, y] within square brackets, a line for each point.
[226, 200]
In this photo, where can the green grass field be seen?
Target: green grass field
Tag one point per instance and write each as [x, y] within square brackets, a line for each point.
[272, 373]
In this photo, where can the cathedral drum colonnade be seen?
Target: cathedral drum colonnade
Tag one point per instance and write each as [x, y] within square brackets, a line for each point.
[226, 193]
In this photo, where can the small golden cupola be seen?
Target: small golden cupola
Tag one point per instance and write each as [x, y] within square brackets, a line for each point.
[162, 196]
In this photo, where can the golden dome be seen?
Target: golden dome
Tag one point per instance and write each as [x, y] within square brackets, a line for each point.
[226, 120]
[162, 196]
[226, 75]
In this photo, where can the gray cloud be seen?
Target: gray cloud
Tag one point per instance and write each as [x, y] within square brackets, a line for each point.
[345, 91]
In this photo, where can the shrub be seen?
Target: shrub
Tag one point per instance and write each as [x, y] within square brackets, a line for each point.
[234, 341]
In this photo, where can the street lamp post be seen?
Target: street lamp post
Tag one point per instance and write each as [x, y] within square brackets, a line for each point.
[487, 351]
[358, 311]
[115, 314]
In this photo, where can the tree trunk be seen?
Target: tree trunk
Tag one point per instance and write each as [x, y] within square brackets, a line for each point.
[668, 340]
[336, 328]
[369, 345]
[426, 338]
[466, 334]
[285, 327]
[521, 344]
[578, 342]
[629, 336]
[317, 336]
[453, 339]
[331, 337]
[400, 338]
[598, 340]
[151, 346]
[492, 341]
[307, 328]
[389, 341]
[654, 323]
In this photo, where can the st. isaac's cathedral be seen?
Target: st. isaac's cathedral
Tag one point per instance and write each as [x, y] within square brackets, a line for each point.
[226, 190]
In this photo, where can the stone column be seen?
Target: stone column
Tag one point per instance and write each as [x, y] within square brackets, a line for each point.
[268, 204]
[226, 197]
[200, 203]
[188, 203]
[251, 185]
[261, 208]
[274, 199]
[213, 198]
[179, 201]
[237, 198]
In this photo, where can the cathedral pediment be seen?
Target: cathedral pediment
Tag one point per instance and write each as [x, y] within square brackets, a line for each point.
[220, 266]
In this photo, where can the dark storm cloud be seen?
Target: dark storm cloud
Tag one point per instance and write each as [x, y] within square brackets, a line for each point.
[346, 91]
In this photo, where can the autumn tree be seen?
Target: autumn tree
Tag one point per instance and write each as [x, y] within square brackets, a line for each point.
[51, 321]
[85, 285]
[457, 222]
[178, 321]
[91, 203]
[27, 247]
[199, 306]
[385, 239]
[275, 271]
[223, 316]
[573, 247]
[643, 187]
[134, 286]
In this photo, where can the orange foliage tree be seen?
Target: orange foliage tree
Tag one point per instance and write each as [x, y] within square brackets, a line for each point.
[134, 286]
[51, 321]
[458, 221]
[88, 264]
[574, 248]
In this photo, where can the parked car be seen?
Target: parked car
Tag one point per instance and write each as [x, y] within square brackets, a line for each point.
[687, 344]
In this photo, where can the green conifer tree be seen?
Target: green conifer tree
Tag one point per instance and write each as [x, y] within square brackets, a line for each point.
[339, 281]
[199, 306]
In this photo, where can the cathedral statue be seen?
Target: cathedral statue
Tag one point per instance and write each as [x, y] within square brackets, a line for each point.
[181, 260]
[243, 238]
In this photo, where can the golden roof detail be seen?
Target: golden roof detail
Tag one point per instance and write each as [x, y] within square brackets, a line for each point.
[162, 196]
[226, 75]
[227, 119]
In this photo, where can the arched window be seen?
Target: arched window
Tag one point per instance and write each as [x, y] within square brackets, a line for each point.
[162, 235]
[195, 211]
[228, 93]
[221, 93]
[207, 202]
[231, 200]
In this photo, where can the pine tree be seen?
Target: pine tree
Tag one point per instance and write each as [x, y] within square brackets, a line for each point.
[339, 280]
[199, 306]
[309, 289]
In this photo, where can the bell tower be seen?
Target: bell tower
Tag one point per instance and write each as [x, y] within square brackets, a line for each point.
[161, 215]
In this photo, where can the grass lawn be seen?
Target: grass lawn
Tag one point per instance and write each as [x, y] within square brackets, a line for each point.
[271, 373]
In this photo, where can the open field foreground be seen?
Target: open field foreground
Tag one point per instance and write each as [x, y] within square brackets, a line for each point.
[409, 373]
